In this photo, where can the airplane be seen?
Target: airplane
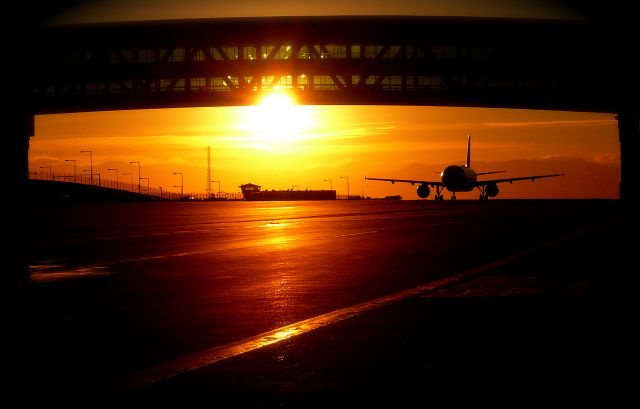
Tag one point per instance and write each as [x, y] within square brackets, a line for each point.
[457, 178]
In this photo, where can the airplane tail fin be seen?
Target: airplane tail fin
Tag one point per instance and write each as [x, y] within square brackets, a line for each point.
[468, 165]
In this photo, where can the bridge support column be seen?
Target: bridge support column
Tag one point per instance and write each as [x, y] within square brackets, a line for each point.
[16, 161]
[629, 135]
[15, 173]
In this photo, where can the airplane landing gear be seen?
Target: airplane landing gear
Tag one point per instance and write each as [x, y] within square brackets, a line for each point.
[438, 194]
[483, 193]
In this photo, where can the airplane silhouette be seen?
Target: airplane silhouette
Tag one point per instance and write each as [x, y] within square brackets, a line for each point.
[456, 178]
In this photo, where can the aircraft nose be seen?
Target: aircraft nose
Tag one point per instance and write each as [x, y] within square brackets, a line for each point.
[453, 176]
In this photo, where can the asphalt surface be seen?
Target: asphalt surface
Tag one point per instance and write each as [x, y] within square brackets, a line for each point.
[151, 303]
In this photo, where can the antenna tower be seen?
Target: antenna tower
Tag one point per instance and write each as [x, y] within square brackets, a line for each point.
[209, 170]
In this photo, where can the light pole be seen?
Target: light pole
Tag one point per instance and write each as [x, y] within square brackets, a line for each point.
[50, 171]
[90, 163]
[160, 187]
[181, 183]
[131, 177]
[346, 177]
[131, 163]
[94, 174]
[330, 183]
[75, 180]
[147, 184]
[117, 178]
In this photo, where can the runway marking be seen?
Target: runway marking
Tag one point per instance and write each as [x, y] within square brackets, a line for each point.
[355, 234]
[170, 369]
[41, 275]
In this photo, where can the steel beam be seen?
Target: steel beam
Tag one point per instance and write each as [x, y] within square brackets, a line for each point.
[332, 60]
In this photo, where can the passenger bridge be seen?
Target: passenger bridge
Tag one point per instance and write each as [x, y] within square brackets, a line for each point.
[328, 60]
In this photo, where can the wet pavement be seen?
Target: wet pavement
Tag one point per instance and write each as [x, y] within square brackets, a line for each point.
[539, 305]
[532, 332]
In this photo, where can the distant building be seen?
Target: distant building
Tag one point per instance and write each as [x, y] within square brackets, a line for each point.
[249, 188]
[253, 192]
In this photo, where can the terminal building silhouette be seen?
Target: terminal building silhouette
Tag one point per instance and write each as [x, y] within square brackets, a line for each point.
[251, 191]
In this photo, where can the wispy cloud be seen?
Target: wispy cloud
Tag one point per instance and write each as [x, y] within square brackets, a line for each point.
[559, 123]
[607, 159]
[248, 140]
[612, 159]
[357, 131]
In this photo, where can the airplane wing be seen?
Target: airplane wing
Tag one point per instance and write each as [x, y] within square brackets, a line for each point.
[413, 182]
[511, 180]
[489, 173]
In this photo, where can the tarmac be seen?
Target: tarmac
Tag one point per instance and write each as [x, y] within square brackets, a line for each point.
[531, 332]
[549, 325]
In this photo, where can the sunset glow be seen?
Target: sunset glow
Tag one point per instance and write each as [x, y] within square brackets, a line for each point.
[279, 145]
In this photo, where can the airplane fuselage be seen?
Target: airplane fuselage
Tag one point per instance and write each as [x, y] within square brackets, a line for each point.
[459, 178]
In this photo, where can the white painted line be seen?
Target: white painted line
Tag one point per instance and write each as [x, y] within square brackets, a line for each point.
[355, 234]
[45, 277]
[210, 356]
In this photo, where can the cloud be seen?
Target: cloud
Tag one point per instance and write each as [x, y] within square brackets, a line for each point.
[611, 159]
[248, 140]
[333, 164]
[356, 131]
[559, 123]
[607, 159]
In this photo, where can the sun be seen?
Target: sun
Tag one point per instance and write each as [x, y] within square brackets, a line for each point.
[277, 119]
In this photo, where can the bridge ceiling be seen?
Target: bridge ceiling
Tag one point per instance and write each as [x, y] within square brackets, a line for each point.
[332, 60]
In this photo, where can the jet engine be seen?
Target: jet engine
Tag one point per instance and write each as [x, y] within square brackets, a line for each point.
[492, 190]
[423, 191]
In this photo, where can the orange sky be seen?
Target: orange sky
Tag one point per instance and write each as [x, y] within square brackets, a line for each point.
[301, 146]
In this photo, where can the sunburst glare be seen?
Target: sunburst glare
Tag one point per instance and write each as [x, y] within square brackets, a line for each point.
[277, 119]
